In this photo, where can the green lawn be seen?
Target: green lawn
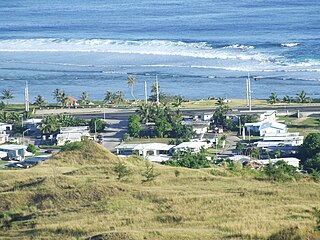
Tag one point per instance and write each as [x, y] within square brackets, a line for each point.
[3, 162]
[304, 127]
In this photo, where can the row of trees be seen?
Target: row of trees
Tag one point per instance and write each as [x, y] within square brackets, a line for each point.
[53, 123]
[301, 98]
[167, 123]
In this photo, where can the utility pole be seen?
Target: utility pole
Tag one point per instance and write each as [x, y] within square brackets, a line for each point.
[145, 93]
[26, 97]
[157, 90]
[248, 83]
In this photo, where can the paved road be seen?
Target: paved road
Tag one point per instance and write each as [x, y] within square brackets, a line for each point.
[117, 113]
[114, 134]
[230, 149]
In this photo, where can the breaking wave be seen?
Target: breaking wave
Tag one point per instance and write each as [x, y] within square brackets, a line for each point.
[152, 47]
[289, 44]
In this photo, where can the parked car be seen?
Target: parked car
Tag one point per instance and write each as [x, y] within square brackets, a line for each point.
[50, 151]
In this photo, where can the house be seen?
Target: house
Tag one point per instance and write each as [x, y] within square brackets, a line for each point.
[192, 146]
[266, 127]
[7, 127]
[199, 127]
[72, 101]
[207, 117]
[4, 137]
[289, 160]
[156, 152]
[281, 139]
[269, 116]
[17, 152]
[272, 128]
[72, 134]
[32, 124]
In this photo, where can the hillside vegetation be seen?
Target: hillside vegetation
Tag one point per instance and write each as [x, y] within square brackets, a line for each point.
[78, 194]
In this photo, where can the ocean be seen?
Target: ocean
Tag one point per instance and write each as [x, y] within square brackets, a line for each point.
[197, 49]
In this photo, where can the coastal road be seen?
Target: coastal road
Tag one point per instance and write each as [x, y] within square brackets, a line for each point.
[113, 136]
[125, 113]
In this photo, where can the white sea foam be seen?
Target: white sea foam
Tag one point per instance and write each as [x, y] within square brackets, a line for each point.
[154, 47]
[240, 46]
[289, 44]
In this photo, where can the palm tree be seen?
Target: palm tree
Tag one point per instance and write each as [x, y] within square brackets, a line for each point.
[39, 101]
[287, 99]
[64, 99]
[84, 98]
[273, 98]
[7, 95]
[119, 97]
[131, 81]
[109, 97]
[178, 101]
[220, 101]
[301, 98]
[57, 95]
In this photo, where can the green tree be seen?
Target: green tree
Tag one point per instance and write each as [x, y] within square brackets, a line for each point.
[177, 101]
[39, 101]
[149, 174]
[310, 147]
[134, 128]
[7, 95]
[96, 124]
[119, 97]
[131, 81]
[121, 170]
[84, 98]
[49, 125]
[109, 97]
[188, 159]
[302, 97]
[287, 99]
[273, 98]
[32, 148]
[2, 105]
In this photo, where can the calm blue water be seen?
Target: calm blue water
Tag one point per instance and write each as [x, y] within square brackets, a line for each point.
[197, 48]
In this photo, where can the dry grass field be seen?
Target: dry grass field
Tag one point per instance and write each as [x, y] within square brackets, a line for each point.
[76, 195]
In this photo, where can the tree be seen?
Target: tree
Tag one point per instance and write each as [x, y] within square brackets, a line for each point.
[188, 159]
[60, 96]
[302, 97]
[96, 124]
[108, 97]
[134, 126]
[273, 98]
[121, 170]
[7, 95]
[39, 101]
[287, 99]
[2, 105]
[149, 173]
[310, 147]
[32, 148]
[84, 98]
[119, 97]
[177, 101]
[49, 124]
[131, 81]
[220, 101]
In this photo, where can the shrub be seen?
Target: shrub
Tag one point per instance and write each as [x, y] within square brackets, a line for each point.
[121, 170]
[32, 148]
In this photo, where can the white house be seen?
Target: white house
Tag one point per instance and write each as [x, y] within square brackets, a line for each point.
[207, 117]
[6, 127]
[290, 161]
[4, 137]
[192, 146]
[266, 127]
[281, 139]
[17, 152]
[72, 134]
[156, 152]
[32, 123]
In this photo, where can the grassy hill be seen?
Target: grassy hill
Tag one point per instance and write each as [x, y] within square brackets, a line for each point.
[76, 195]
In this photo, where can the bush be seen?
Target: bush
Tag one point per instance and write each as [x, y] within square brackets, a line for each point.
[281, 171]
[121, 170]
[32, 148]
